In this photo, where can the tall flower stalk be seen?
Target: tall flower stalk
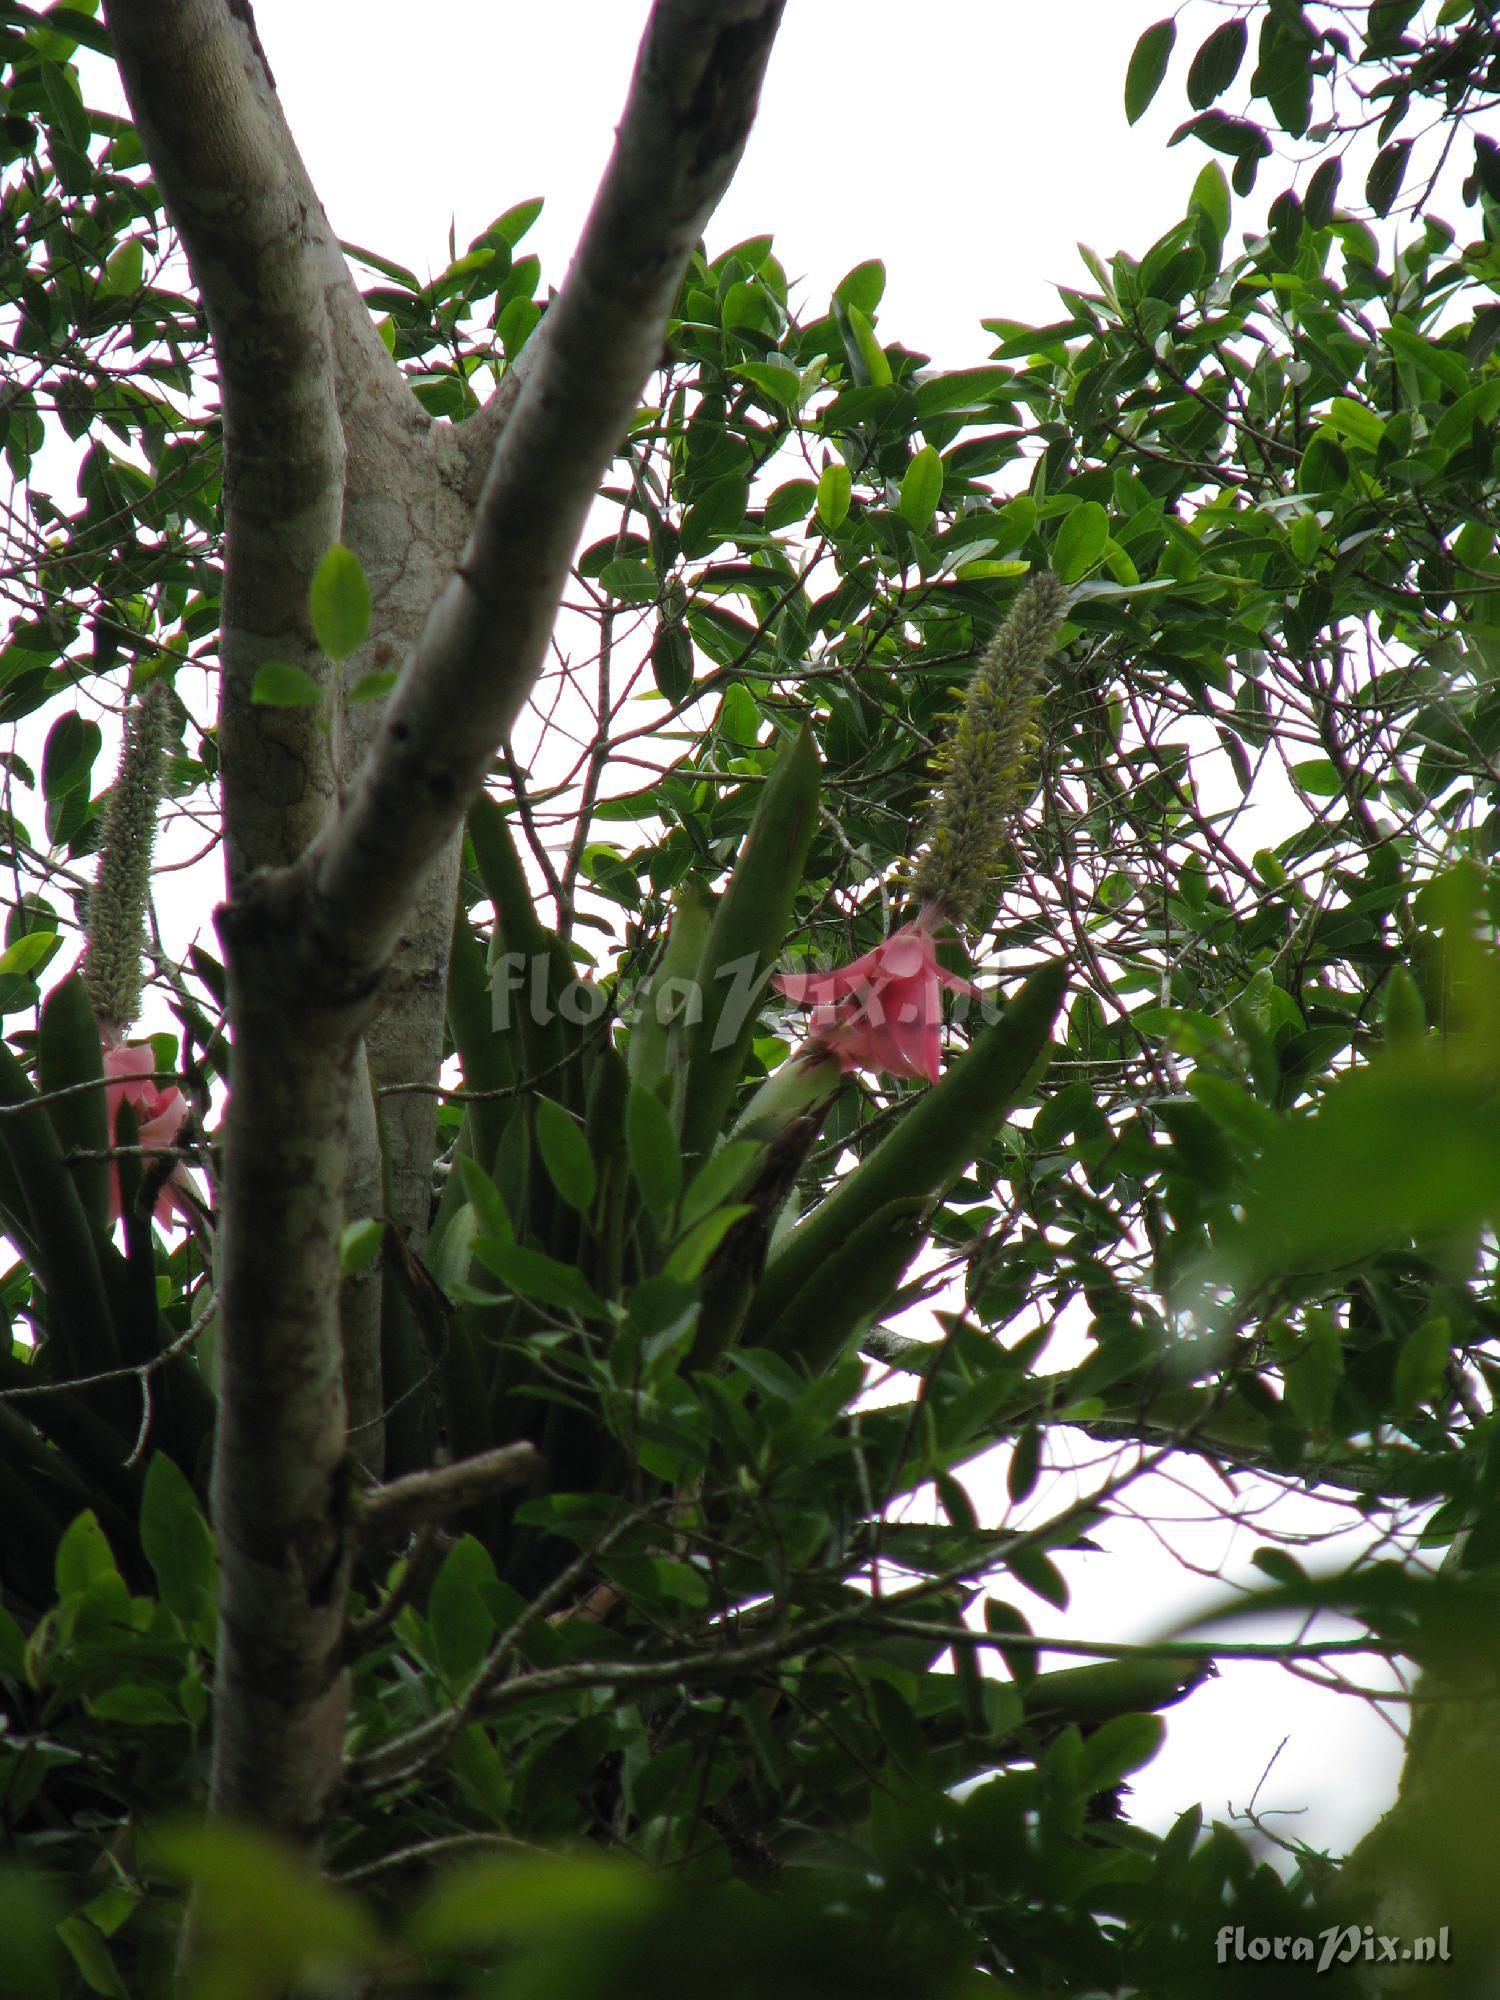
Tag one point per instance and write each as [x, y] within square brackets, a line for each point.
[984, 769]
[883, 1011]
[116, 945]
[122, 886]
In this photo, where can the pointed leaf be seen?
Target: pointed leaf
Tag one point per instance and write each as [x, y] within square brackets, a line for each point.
[178, 1544]
[565, 1154]
[921, 488]
[282, 684]
[834, 489]
[1148, 65]
[1217, 63]
[1080, 541]
[745, 940]
[652, 1146]
[340, 603]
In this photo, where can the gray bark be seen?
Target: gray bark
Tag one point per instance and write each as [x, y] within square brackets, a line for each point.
[327, 893]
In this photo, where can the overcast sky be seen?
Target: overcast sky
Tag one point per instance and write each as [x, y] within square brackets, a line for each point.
[969, 143]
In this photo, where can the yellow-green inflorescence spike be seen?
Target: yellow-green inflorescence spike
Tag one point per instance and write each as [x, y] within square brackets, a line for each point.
[984, 769]
[122, 886]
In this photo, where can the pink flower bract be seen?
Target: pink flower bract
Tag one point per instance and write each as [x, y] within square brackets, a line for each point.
[159, 1113]
[884, 1010]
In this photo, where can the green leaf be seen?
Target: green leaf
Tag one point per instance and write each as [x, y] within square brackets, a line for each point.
[125, 268]
[1404, 1150]
[340, 603]
[371, 687]
[852, 1286]
[929, 1147]
[178, 1544]
[745, 940]
[962, 389]
[1285, 222]
[782, 385]
[90, 1954]
[1322, 190]
[1476, 406]
[260, 1908]
[280, 684]
[28, 1920]
[921, 488]
[359, 1245]
[870, 351]
[1422, 1365]
[69, 1053]
[1355, 421]
[1383, 182]
[526, 1896]
[1216, 64]
[1025, 1465]
[486, 1199]
[1080, 541]
[515, 222]
[83, 1556]
[1092, 1695]
[68, 756]
[687, 1261]
[460, 1619]
[537, 1276]
[1317, 777]
[834, 490]
[34, 949]
[719, 1180]
[672, 662]
[1241, 138]
[1118, 1747]
[565, 1154]
[863, 287]
[1147, 67]
[652, 1145]
[629, 578]
[1211, 194]
[1312, 1361]
[1305, 536]
[659, 1010]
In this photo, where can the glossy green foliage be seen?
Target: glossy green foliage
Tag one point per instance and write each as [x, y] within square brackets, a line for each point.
[1246, 1209]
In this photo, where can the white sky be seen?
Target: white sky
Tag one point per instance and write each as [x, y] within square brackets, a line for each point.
[970, 145]
[965, 143]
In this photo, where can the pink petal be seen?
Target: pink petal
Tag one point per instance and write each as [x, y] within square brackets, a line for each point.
[805, 989]
[904, 956]
[159, 1111]
[884, 1009]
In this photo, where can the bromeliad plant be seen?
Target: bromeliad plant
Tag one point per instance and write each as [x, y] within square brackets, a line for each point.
[1264, 475]
[88, 1140]
[600, 1239]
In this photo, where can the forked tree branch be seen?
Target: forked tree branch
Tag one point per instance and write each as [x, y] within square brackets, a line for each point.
[691, 102]
[306, 943]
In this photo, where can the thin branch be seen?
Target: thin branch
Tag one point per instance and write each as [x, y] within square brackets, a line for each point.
[395, 1510]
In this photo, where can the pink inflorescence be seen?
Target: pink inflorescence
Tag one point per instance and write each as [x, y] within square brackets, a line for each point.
[159, 1112]
[884, 1010]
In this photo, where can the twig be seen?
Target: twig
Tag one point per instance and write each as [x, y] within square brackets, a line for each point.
[393, 1511]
